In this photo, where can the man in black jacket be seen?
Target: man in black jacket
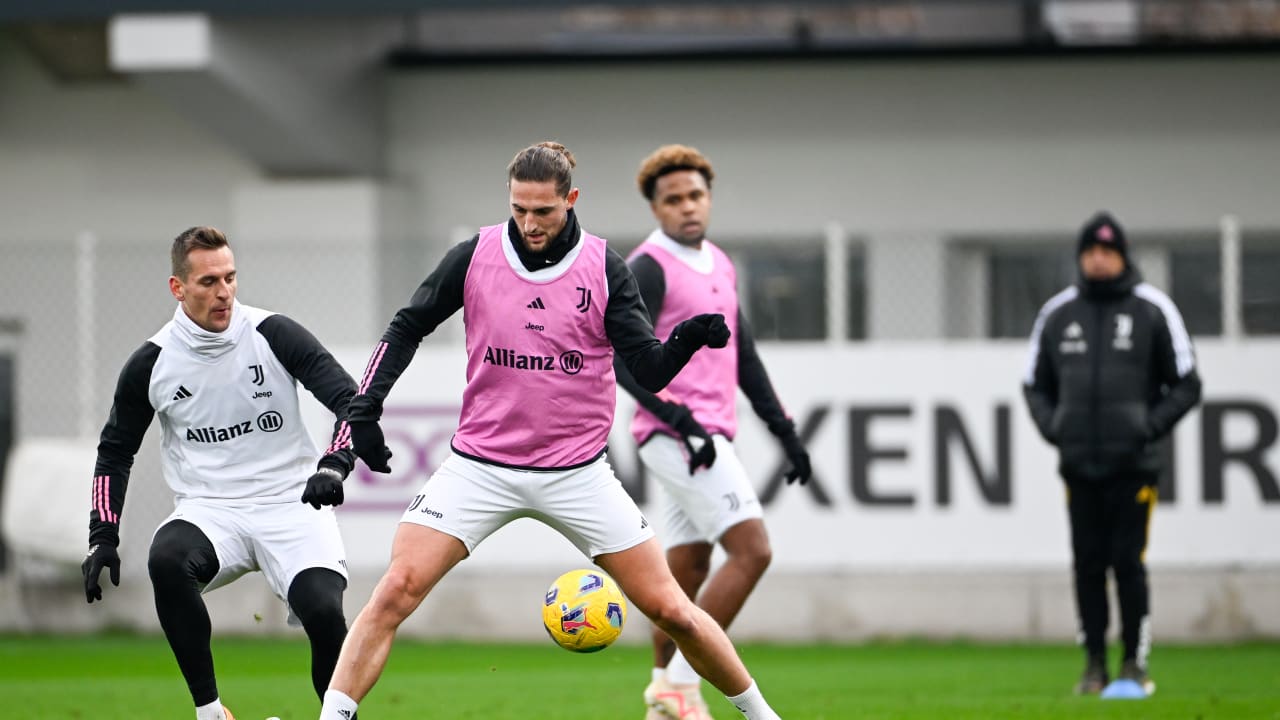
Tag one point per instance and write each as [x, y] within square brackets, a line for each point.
[1111, 371]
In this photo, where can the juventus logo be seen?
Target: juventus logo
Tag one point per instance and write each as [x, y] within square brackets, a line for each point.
[734, 503]
[258, 377]
[584, 300]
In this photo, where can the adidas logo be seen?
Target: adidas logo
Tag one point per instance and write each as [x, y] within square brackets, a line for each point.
[182, 393]
[537, 304]
[345, 714]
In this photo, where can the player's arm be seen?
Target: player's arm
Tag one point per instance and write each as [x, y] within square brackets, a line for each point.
[1175, 368]
[755, 384]
[131, 414]
[303, 357]
[651, 282]
[651, 362]
[437, 298]
[1040, 382]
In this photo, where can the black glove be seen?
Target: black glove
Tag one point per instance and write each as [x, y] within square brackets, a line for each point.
[324, 488]
[708, 329]
[101, 555]
[369, 445]
[798, 457]
[683, 422]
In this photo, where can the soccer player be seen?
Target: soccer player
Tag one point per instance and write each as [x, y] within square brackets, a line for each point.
[1111, 372]
[545, 305]
[222, 376]
[685, 433]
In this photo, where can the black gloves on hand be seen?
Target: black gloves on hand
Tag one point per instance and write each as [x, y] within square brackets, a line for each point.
[701, 454]
[369, 444]
[101, 555]
[699, 330]
[324, 488]
[798, 457]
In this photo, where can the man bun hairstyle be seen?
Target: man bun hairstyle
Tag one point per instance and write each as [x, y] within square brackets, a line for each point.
[669, 159]
[547, 161]
[201, 237]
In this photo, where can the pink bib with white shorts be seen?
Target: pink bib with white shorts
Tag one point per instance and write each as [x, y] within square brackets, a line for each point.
[708, 385]
[540, 387]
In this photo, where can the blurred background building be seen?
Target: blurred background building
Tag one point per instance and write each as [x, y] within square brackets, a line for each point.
[900, 184]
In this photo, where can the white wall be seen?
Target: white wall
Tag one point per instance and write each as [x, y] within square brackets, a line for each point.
[880, 146]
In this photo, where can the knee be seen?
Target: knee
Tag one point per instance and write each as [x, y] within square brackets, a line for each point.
[397, 594]
[168, 566]
[675, 615]
[757, 558]
[316, 598]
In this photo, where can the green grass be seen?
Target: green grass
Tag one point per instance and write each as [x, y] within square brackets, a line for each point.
[118, 677]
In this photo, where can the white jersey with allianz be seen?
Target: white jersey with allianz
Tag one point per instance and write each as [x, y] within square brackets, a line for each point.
[228, 410]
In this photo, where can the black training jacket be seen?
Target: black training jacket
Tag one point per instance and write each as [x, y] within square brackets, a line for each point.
[1111, 370]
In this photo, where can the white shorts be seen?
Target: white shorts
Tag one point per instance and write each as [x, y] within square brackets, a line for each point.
[700, 507]
[279, 539]
[470, 500]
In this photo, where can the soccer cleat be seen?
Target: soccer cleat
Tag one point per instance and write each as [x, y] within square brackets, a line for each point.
[675, 702]
[1131, 670]
[1094, 678]
[227, 712]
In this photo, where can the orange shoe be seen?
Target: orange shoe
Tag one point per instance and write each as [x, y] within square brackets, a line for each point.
[227, 712]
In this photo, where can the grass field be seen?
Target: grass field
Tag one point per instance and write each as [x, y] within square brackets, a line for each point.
[119, 677]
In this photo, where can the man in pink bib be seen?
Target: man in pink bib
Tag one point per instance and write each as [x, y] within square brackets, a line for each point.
[546, 306]
[685, 432]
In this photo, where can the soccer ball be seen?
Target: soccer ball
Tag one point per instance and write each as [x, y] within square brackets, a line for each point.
[584, 611]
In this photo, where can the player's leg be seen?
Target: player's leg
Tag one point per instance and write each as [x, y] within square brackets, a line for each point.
[420, 556]
[300, 551]
[1129, 506]
[315, 596]
[1089, 546]
[461, 504]
[642, 573]
[690, 564]
[716, 504]
[181, 562]
[592, 510]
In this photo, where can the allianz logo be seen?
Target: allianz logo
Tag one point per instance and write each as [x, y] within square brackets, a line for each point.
[571, 361]
[269, 421]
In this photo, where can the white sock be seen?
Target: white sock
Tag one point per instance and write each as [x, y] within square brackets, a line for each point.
[659, 674]
[752, 705]
[212, 711]
[680, 672]
[337, 706]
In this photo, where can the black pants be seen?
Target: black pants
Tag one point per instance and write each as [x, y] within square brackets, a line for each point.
[182, 560]
[1109, 523]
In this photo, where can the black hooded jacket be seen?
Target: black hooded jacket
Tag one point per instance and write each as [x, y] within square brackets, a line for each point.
[1112, 369]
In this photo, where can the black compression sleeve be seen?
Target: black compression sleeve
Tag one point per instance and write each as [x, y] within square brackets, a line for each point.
[652, 284]
[437, 298]
[755, 383]
[306, 359]
[626, 321]
[130, 416]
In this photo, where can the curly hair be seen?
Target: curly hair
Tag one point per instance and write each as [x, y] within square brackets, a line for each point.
[669, 159]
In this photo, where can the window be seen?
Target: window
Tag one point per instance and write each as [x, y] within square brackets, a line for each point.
[1022, 279]
[1195, 285]
[784, 290]
[1259, 293]
[855, 294]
